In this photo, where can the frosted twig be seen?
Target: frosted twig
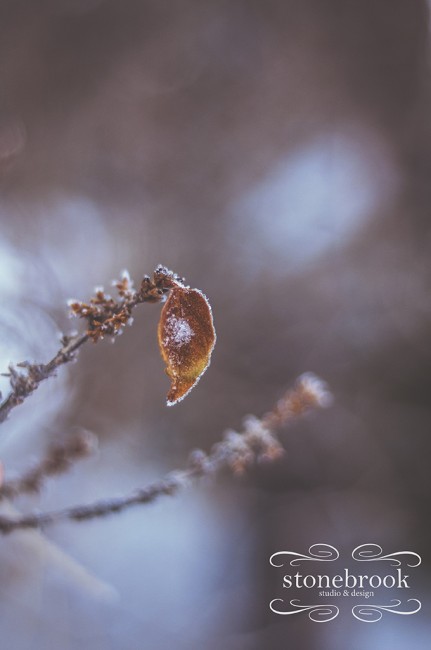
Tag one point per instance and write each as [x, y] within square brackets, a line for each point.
[104, 316]
[23, 384]
[59, 459]
[236, 452]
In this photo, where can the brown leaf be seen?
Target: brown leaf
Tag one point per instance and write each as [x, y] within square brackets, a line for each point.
[186, 339]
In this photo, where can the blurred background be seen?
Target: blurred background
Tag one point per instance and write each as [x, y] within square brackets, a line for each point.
[275, 153]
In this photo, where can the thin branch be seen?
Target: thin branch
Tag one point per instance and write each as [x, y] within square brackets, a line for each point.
[236, 452]
[59, 459]
[23, 384]
[104, 316]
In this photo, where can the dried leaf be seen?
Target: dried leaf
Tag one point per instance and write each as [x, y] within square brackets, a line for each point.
[186, 339]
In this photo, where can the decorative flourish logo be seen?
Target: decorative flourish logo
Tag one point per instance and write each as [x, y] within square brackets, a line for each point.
[316, 613]
[317, 553]
[346, 583]
[374, 553]
[373, 613]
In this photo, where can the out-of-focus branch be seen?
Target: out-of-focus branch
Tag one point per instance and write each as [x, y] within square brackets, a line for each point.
[105, 317]
[23, 384]
[236, 452]
[59, 459]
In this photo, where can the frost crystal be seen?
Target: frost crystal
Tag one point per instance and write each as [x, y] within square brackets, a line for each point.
[316, 388]
[179, 332]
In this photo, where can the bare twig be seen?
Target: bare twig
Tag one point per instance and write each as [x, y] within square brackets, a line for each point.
[23, 384]
[59, 459]
[236, 452]
[104, 316]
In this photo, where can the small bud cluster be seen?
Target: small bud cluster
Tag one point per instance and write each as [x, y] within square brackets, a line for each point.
[258, 442]
[309, 392]
[106, 316]
[59, 459]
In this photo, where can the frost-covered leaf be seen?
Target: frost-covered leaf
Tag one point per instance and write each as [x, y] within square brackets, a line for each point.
[186, 339]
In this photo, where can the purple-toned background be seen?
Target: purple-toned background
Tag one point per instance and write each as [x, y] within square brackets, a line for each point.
[276, 153]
